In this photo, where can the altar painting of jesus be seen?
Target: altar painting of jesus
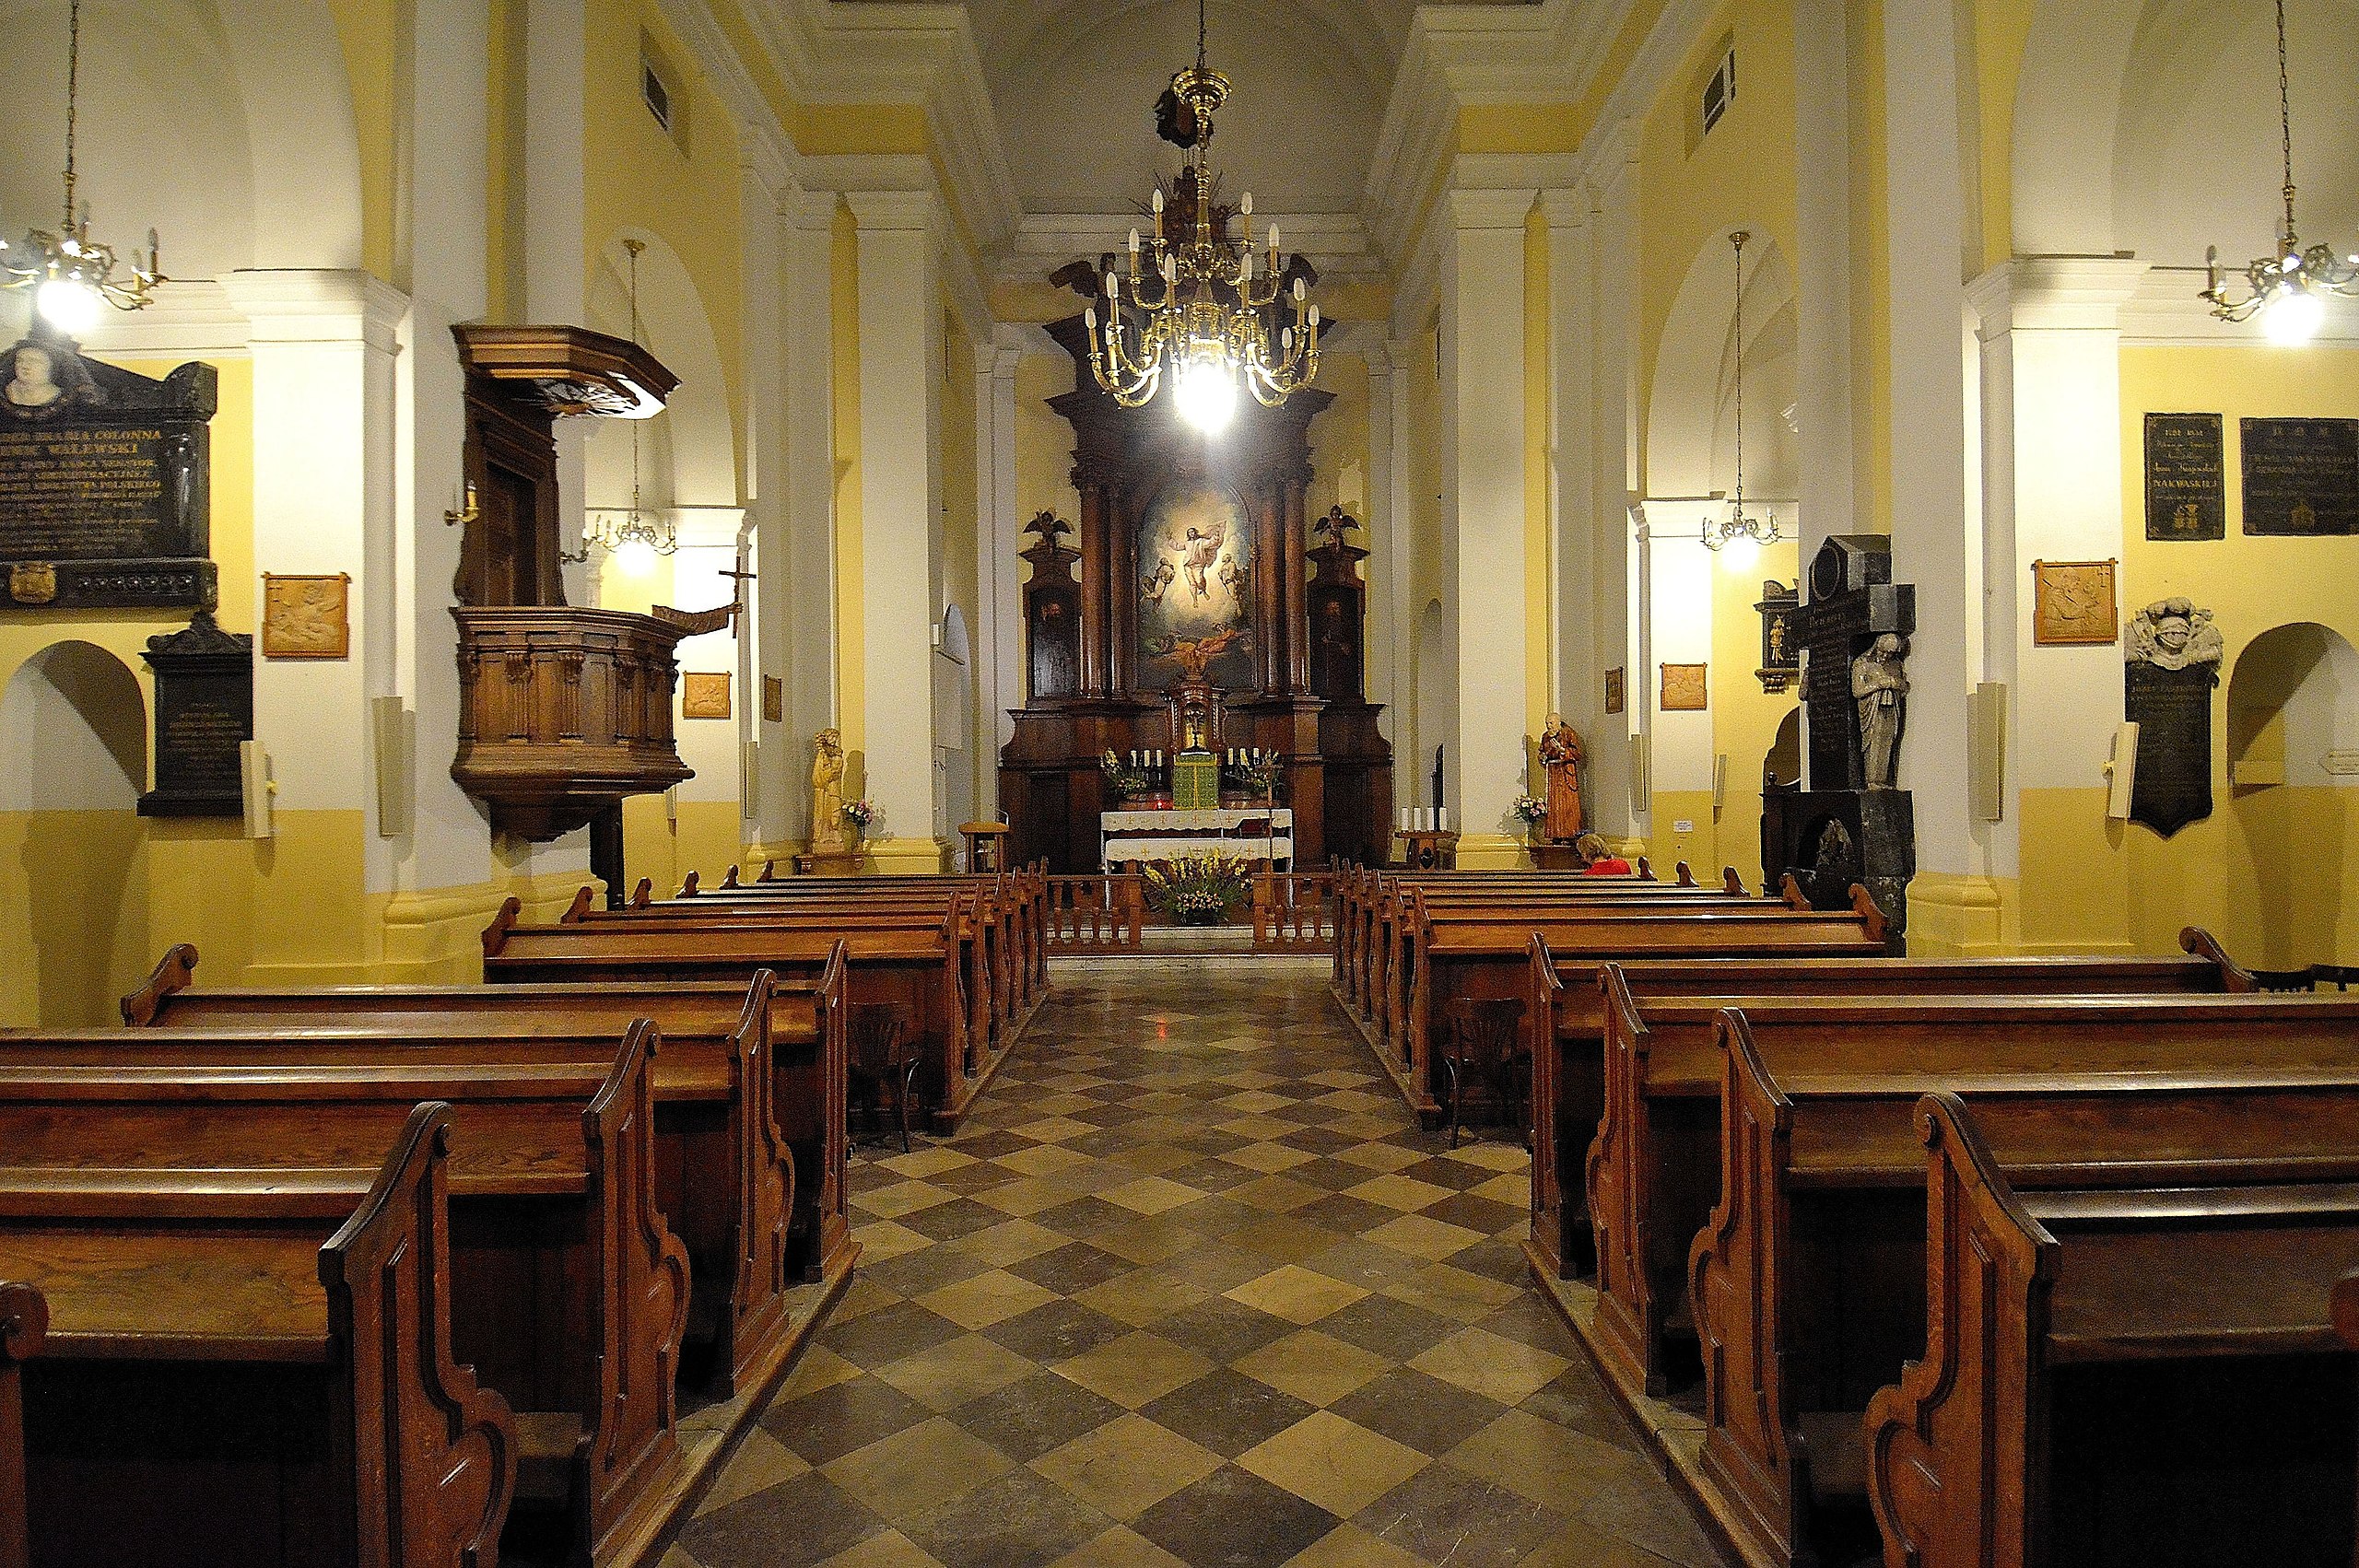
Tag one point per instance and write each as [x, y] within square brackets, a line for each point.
[1194, 562]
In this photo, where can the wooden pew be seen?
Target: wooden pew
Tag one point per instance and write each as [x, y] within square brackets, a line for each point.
[1807, 1282]
[726, 1169]
[2144, 1372]
[1022, 889]
[972, 1032]
[903, 963]
[1001, 926]
[1650, 1168]
[1485, 952]
[24, 1321]
[221, 1385]
[570, 1297]
[1366, 898]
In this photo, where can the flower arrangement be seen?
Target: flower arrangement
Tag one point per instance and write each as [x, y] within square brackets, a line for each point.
[861, 813]
[1198, 890]
[1255, 777]
[1121, 778]
[1530, 808]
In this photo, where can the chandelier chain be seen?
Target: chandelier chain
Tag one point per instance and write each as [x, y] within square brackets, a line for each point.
[2285, 119]
[1739, 240]
[73, 94]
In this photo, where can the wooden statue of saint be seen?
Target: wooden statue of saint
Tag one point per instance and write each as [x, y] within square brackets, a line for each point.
[1560, 753]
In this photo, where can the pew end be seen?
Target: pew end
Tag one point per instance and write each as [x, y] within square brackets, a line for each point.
[495, 935]
[24, 1321]
[585, 900]
[2196, 942]
[691, 885]
[175, 972]
[644, 893]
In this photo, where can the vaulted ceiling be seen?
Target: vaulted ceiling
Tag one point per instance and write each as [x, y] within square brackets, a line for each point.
[1073, 84]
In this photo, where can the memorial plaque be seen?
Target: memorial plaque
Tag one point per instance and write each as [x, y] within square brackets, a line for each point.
[204, 706]
[105, 482]
[2187, 477]
[2173, 654]
[704, 694]
[2301, 476]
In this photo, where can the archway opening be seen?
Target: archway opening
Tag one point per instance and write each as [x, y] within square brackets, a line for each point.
[72, 890]
[2294, 787]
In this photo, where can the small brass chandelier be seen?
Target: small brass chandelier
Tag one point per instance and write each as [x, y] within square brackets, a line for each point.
[1194, 305]
[1747, 533]
[71, 275]
[631, 537]
[2287, 289]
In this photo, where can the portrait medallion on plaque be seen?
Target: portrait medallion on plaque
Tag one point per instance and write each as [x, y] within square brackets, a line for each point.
[2301, 476]
[2072, 603]
[105, 475]
[305, 617]
[704, 694]
[2187, 477]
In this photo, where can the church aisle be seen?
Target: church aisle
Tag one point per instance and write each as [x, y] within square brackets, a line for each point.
[1190, 1289]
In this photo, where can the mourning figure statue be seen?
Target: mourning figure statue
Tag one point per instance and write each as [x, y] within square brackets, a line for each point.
[1880, 686]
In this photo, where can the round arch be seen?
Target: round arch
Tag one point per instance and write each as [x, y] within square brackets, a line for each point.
[689, 451]
[1691, 406]
[72, 732]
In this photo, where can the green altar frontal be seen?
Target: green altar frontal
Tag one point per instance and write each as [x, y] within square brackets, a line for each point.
[1195, 782]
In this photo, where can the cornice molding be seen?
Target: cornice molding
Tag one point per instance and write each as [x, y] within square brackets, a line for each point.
[2054, 293]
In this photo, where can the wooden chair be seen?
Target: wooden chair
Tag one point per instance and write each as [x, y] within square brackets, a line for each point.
[1485, 1040]
[882, 1062]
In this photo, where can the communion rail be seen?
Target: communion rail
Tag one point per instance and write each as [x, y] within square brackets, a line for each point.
[1096, 914]
[1294, 912]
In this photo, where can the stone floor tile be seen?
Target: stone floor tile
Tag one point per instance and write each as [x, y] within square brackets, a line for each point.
[1312, 1366]
[1424, 1412]
[1555, 1468]
[891, 1549]
[1029, 1417]
[1018, 1520]
[1057, 1331]
[793, 1525]
[1443, 1515]
[1233, 1518]
[990, 1297]
[1339, 1465]
[947, 1375]
[1295, 1294]
[917, 1468]
[836, 1420]
[1227, 1412]
[1127, 1466]
[1485, 1363]
[1136, 1369]
[1348, 1546]
[1118, 1548]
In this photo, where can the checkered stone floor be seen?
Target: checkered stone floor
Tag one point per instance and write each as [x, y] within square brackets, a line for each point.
[1190, 1289]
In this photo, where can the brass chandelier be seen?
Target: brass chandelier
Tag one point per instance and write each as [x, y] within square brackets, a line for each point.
[1747, 533]
[2288, 288]
[1195, 306]
[71, 275]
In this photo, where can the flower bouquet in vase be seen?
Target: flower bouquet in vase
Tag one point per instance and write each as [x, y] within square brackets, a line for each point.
[861, 813]
[1198, 890]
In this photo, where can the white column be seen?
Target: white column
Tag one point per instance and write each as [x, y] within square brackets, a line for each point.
[1483, 502]
[1409, 724]
[999, 647]
[1387, 625]
[556, 215]
[1578, 604]
[762, 633]
[323, 346]
[800, 562]
[1822, 272]
[1935, 546]
[1620, 798]
[2052, 490]
[900, 504]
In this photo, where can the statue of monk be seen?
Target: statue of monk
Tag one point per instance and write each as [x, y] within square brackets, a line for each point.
[1560, 753]
[827, 793]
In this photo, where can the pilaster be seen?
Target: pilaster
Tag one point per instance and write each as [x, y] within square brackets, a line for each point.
[900, 491]
[1482, 498]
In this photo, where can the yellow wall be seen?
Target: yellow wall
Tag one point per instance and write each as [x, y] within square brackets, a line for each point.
[852, 685]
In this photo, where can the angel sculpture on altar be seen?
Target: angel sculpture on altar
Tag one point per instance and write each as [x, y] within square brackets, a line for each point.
[1560, 753]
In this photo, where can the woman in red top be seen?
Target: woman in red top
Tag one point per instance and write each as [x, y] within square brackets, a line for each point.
[1597, 859]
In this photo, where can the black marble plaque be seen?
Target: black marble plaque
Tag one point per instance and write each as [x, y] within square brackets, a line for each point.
[204, 706]
[2172, 711]
[2301, 476]
[105, 482]
[2187, 477]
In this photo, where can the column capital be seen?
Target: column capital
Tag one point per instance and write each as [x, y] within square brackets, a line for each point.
[2054, 293]
[1487, 209]
[317, 306]
[1565, 206]
[813, 211]
[893, 210]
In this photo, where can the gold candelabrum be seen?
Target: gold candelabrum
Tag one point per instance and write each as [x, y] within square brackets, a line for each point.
[1199, 305]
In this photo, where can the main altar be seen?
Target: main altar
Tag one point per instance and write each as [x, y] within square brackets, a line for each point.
[1194, 608]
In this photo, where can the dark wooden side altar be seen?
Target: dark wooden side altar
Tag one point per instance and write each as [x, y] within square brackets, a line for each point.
[1192, 550]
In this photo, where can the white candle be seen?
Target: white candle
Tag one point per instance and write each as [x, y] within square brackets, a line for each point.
[1404, 819]
[1441, 819]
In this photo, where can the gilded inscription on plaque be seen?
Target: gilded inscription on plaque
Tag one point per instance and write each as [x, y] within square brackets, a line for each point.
[104, 481]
